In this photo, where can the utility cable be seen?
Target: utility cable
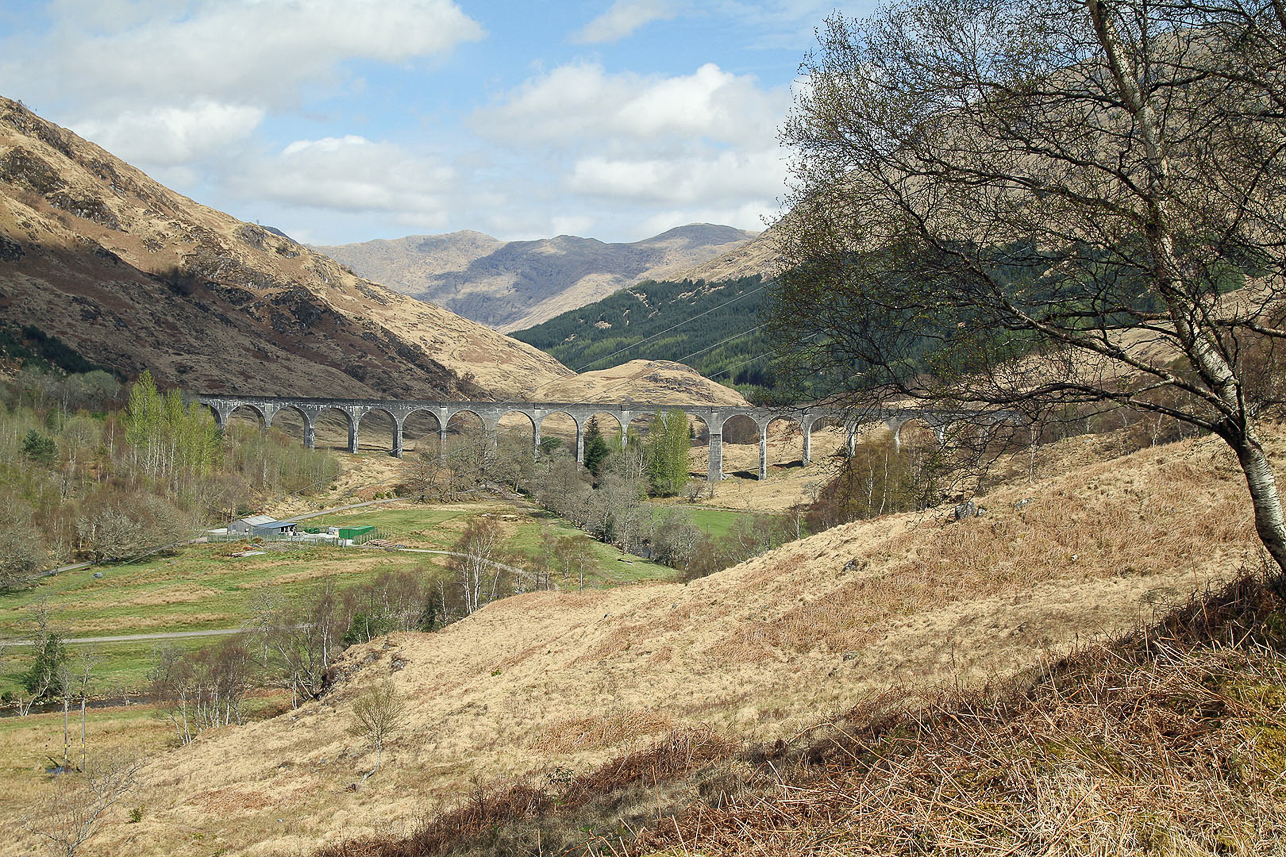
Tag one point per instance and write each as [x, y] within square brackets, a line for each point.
[672, 327]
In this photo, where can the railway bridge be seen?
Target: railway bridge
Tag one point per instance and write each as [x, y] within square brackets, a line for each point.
[490, 414]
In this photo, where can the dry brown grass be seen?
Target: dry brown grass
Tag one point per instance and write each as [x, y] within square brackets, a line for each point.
[1170, 743]
[181, 593]
[758, 652]
[593, 733]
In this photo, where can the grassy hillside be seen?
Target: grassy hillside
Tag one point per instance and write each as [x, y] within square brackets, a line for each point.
[550, 690]
[712, 327]
[1167, 741]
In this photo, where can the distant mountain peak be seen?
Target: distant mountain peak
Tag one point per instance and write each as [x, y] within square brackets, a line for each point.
[511, 285]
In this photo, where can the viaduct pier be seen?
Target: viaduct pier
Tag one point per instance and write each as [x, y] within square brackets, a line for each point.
[490, 413]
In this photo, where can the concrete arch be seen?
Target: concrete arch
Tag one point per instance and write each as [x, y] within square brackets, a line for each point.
[809, 422]
[764, 426]
[395, 424]
[327, 413]
[896, 424]
[505, 425]
[459, 417]
[261, 417]
[415, 415]
[462, 423]
[307, 426]
[214, 412]
[561, 415]
[740, 429]
[604, 428]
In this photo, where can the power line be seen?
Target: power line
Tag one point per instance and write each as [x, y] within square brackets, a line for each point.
[694, 354]
[673, 327]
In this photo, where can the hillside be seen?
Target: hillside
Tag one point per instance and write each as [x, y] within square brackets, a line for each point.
[134, 276]
[758, 257]
[709, 326]
[562, 681]
[513, 285]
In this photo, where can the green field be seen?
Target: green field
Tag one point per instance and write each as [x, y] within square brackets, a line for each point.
[715, 522]
[205, 587]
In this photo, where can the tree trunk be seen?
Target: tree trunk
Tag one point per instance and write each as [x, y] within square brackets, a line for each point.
[1270, 524]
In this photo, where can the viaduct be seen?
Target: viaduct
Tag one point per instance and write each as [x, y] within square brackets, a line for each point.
[490, 413]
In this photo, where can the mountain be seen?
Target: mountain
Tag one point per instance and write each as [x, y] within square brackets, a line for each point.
[712, 326]
[516, 284]
[757, 257]
[132, 276]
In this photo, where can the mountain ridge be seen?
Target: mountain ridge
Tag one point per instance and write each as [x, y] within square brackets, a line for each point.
[132, 275]
[511, 285]
[136, 276]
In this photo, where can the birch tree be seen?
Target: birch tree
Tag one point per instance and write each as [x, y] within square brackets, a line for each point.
[1002, 206]
[476, 568]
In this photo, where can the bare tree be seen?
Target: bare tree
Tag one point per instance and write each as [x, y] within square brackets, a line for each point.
[308, 638]
[377, 713]
[74, 678]
[575, 556]
[202, 690]
[67, 818]
[1005, 206]
[22, 551]
[476, 566]
[427, 476]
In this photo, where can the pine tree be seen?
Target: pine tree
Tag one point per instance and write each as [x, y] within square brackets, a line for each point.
[596, 449]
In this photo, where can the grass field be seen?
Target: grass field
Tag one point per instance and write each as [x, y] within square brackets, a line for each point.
[715, 522]
[205, 587]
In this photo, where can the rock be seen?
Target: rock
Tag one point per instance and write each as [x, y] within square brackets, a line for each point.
[967, 509]
[98, 575]
[848, 656]
[1023, 503]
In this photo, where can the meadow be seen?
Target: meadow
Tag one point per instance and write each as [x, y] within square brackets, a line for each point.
[211, 587]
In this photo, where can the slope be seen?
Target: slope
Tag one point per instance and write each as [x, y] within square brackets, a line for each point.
[134, 276]
[711, 326]
[512, 285]
[565, 680]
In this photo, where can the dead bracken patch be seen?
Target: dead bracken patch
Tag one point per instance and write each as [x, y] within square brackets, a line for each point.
[177, 594]
[592, 733]
[1171, 741]
[232, 800]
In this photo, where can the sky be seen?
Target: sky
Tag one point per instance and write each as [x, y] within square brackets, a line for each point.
[340, 121]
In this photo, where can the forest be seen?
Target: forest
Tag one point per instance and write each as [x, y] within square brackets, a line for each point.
[712, 327]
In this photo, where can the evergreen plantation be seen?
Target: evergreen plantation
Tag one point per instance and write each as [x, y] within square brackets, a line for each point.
[712, 327]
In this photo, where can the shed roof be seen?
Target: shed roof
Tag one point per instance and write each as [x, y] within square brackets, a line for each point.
[258, 520]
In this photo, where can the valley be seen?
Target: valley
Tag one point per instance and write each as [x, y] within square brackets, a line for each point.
[548, 681]
[941, 517]
[517, 284]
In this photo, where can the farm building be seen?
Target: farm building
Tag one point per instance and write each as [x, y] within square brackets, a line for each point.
[261, 525]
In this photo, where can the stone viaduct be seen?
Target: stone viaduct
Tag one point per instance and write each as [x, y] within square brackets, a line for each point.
[490, 413]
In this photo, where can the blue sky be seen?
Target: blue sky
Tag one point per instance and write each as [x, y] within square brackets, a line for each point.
[344, 120]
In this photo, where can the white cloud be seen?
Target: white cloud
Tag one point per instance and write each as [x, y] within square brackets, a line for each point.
[653, 149]
[702, 178]
[750, 216]
[571, 225]
[168, 136]
[353, 174]
[622, 19]
[575, 101]
[236, 51]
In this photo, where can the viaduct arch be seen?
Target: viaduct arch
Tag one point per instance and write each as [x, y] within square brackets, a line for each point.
[490, 413]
